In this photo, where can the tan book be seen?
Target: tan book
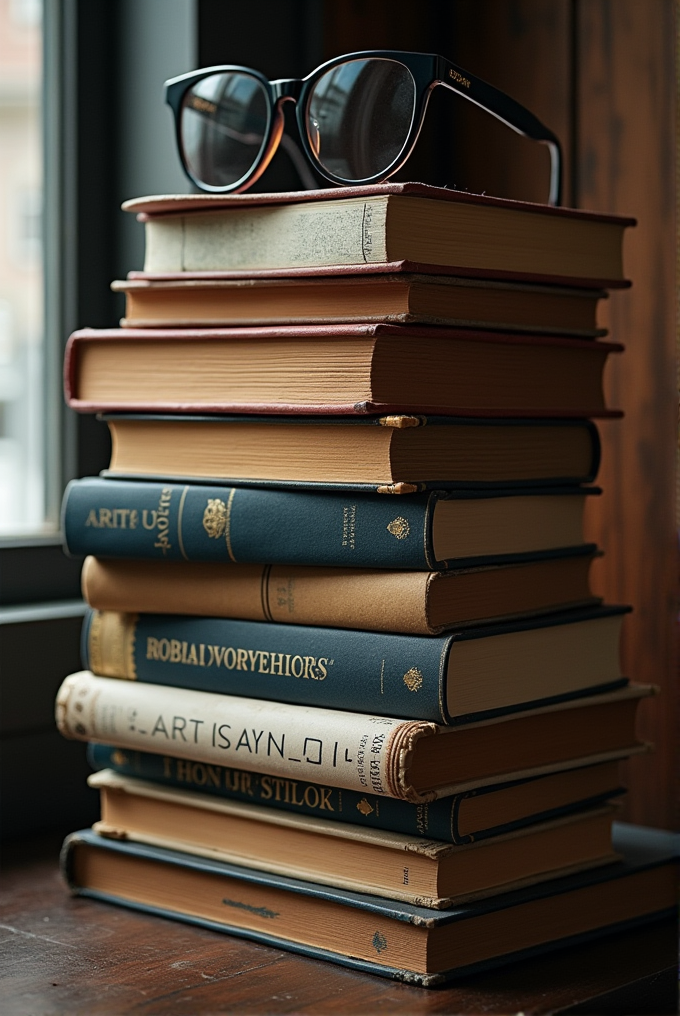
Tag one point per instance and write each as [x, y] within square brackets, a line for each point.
[373, 934]
[417, 870]
[392, 454]
[193, 300]
[349, 369]
[379, 224]
[373, 599]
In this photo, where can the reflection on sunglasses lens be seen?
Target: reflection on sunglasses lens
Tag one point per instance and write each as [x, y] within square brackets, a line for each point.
[223, 124]
[359, 117]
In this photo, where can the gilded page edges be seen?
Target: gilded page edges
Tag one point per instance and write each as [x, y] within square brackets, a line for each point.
[399, 757]
[111, 644]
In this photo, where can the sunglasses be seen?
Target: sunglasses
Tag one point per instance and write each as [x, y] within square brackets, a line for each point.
[359, 117]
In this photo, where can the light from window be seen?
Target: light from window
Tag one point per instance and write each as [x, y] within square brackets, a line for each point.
[22, 495]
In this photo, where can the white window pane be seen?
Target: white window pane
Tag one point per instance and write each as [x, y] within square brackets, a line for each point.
[22, 495]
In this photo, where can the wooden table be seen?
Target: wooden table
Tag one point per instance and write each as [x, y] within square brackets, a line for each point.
[60, 954]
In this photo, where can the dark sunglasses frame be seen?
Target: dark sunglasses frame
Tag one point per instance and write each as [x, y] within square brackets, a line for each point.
[428, 70]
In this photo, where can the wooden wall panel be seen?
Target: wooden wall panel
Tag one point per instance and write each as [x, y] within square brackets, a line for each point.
[625, 143]
[525, 48]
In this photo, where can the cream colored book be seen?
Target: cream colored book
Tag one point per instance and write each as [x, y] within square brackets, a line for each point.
[414, 760]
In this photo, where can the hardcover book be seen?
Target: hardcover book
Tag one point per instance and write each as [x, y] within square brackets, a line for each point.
[426, 872]
[265, 525]
[335, 369]
[476, 235]
[451, 678]
[213, 300]
[413, 760]
[410, 602]
[462, 818]
[400, 454]
[369, 933]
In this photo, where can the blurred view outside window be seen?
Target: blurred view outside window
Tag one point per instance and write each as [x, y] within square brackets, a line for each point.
[22, 495]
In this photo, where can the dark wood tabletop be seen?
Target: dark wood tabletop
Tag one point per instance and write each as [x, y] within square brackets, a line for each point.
[61, 954]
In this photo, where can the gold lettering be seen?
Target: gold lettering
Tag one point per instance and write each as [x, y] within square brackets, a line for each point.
[264, 662]
[151, 648]
[276, 664]
[242, 659]
[154, 516]
[297, 673]
[266, 785]
[325, 801]
[309, 791]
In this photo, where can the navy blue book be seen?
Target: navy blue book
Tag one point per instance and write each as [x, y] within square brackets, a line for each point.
[465, 817]
[373, 934]
[475, 673]
[160, 519]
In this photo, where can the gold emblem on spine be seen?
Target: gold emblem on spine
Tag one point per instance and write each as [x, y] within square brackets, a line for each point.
[364, 807]
[119, 758]
[215, 518]
[399, 527]
[413, 679]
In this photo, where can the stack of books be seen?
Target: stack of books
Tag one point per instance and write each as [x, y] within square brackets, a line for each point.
[348, 688]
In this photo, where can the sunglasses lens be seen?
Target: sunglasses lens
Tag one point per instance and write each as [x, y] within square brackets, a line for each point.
[359, 117]
[223, 126]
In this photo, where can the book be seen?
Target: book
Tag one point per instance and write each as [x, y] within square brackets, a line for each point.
[410, 602]
[340, 528]
[426, 872]
[390, 453]
[372, 934]
[451, 678]
[379, 224]
[464, 817]
[187, 300]
[343, 369]
[412, 760]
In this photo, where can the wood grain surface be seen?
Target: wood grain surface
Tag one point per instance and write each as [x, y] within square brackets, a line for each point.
[61, 954]
[602, 74]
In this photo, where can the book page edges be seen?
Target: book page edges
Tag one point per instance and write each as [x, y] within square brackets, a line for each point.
[108, 779]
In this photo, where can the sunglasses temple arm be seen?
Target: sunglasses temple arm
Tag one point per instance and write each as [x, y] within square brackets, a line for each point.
[511, 113]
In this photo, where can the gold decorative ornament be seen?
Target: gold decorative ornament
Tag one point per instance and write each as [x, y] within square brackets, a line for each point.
[399, 527]
[215, 518]
[364, 807]
[413, 679]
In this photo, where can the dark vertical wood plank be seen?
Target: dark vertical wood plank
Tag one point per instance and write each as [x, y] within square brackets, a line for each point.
[625, 162]
[525, 48]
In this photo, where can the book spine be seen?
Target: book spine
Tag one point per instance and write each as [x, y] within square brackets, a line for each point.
[379, 600]
[432, 820]
[350, 750]
[170, 521]
[374, 672]
[269, 237]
